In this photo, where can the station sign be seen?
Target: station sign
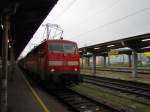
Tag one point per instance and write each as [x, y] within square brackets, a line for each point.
[113, 52]
[147, 54]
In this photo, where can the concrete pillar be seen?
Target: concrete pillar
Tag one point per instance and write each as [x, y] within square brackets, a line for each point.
[129, 60]
[104, 62]
[94, 64]
[134, 63]
[13, 64]
[3, 81]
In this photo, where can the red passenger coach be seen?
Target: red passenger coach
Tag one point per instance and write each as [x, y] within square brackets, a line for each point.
[54, 60]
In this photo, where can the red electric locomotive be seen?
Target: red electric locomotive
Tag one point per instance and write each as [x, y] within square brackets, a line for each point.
[54, 60]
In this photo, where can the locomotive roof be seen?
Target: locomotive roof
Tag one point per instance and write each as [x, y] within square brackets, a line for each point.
[50, 40]
[59, 40]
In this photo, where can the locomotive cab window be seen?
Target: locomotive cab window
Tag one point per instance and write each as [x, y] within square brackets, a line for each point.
[69, 48]
[55, 47]
[59, 47]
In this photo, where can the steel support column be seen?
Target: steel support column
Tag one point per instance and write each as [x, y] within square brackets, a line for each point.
[129, 60]
[3, 96]
[108, 60]
[94, 64]
[88, 61]
[82, 62]
[134, 63]
[104, 61]
[85, 62]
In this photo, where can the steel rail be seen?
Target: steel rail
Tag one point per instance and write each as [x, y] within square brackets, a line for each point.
[121, 85]
[142, 71]
[81, 103]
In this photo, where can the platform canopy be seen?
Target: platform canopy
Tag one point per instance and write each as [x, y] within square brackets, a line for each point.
[25, 21]
[140, 43]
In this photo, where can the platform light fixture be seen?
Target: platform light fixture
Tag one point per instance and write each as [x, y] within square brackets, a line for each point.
[110, 45]
[145, 40]
[88, 53]
[97, 48]
[122, 43]
[9, 46]
[2, 26]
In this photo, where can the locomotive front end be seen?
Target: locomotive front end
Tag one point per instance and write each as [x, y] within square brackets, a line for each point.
[63, 61]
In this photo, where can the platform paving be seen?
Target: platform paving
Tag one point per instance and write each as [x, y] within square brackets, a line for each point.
[145, 78]
[20, 97]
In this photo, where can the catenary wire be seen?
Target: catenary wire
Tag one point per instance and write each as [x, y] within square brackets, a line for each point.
[115, 21]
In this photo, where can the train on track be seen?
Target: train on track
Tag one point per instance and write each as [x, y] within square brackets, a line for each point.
[55, 60]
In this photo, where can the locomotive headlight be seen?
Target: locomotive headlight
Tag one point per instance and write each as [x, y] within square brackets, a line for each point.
[75, 69]
[55, 63]
[73, 63]
[52, 70]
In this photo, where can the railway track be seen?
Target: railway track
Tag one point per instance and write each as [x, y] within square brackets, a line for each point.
[127, 70]
[80, 103]
[75, 101]
[139, 89]
[142, 71]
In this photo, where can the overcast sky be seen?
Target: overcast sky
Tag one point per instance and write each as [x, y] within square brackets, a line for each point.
[90, 22]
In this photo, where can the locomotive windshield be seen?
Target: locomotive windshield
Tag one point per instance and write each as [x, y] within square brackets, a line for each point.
[59, 47]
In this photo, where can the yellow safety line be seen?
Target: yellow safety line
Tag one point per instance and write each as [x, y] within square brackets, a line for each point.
[36, 96]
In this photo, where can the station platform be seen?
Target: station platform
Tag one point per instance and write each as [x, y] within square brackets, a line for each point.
[144, 78]
[20, 95]
[27, 96]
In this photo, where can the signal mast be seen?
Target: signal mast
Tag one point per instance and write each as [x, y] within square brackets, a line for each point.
[49, 27]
